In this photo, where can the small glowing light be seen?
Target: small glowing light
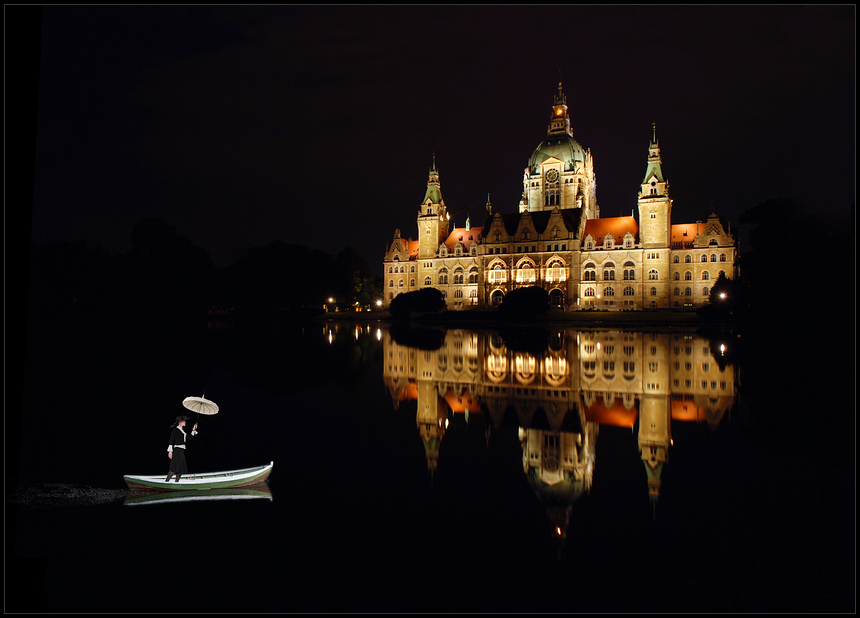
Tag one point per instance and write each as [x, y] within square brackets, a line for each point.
[379, 334]
[722, 348]
[379, 303]
[598, 343]
[722, 294]
[446, 423]
[558, 531]
[331, 300]
[330, 337]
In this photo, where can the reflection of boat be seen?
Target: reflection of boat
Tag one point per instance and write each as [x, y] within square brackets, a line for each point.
[261, 490]
[202, 481]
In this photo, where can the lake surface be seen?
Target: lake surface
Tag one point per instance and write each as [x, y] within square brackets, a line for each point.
[540, 470]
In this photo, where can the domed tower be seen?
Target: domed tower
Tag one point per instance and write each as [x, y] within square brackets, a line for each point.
[432, 217]
[560, 172]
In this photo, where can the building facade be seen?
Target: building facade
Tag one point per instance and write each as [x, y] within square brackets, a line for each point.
[558, 241]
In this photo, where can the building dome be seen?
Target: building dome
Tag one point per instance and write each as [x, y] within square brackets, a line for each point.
[562, 147]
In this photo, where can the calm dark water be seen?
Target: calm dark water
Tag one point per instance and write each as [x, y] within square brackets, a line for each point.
[660, 474]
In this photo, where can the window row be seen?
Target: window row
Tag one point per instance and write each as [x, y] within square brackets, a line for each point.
[689, 291]
[688, 259]
[688, 276]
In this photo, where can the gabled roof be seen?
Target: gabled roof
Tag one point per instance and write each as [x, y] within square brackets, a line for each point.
[617, 226]
[462, 235]
[540, 220]
[412, 249]
[686, 232]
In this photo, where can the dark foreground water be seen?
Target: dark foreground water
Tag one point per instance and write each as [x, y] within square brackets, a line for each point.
[562, 471]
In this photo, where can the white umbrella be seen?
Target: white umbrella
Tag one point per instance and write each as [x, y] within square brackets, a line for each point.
[200, 405]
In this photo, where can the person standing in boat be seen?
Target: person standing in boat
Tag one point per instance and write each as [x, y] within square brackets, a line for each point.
[176, 447]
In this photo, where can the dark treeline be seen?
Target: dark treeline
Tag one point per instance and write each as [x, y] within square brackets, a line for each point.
[794, 307]
[799, 266]
[165, 274]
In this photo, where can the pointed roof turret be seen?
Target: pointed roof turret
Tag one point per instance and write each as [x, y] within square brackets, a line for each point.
[654, 160]
[434, 191]
[559, 123]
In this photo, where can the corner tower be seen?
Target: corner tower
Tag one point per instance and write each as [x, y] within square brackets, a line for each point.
[433, 217]
[560, 173]
[655, 206]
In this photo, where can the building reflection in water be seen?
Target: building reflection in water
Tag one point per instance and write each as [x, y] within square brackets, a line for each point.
[561, 392]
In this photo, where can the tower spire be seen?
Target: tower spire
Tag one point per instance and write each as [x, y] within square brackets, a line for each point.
[559, 123]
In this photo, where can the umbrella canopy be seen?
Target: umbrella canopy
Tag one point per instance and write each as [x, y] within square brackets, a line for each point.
[200, 405]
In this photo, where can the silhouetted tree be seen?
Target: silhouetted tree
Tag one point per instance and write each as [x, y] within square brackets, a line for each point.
[424, 300]
[531, 300]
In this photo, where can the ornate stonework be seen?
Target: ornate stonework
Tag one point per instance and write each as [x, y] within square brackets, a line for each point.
[556, 239]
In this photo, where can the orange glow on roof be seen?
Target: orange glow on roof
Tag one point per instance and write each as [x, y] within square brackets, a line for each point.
[462, 402]
[410, 392]
[616, 415]
[686, 232]
[617, 226]
[687, 411]
[462, 235]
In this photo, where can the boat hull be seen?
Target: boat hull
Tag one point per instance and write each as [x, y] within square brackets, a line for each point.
[258, 491]
[226, 479]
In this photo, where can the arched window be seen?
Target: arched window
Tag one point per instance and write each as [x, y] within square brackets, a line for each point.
[607, 291]
[713, 257]
[526, 273]
[721, 273]
[498, 274]
[609, 271]
[412, 283]
[688, 259]
[653, 291]
[676, 276]
[722, 257]
[705, 276]
[688, 291]
[588, 292]
[428, 281]
[705, 291]
[458, 276]
[556, 272]
[390, 270]
[677, 291]
[653, 275]
[688, 276]
[400, 283]
[628, 291]
[704, 258]
[391, 283]
[412, 268]
[473, 274]
[458, 293]
[677, 259]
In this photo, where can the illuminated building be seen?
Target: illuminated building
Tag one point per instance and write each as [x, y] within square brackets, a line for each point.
[557, 240]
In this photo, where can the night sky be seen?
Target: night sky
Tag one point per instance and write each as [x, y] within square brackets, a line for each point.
[317, 125]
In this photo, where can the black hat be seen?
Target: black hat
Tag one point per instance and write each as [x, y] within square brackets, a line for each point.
[180, 418]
